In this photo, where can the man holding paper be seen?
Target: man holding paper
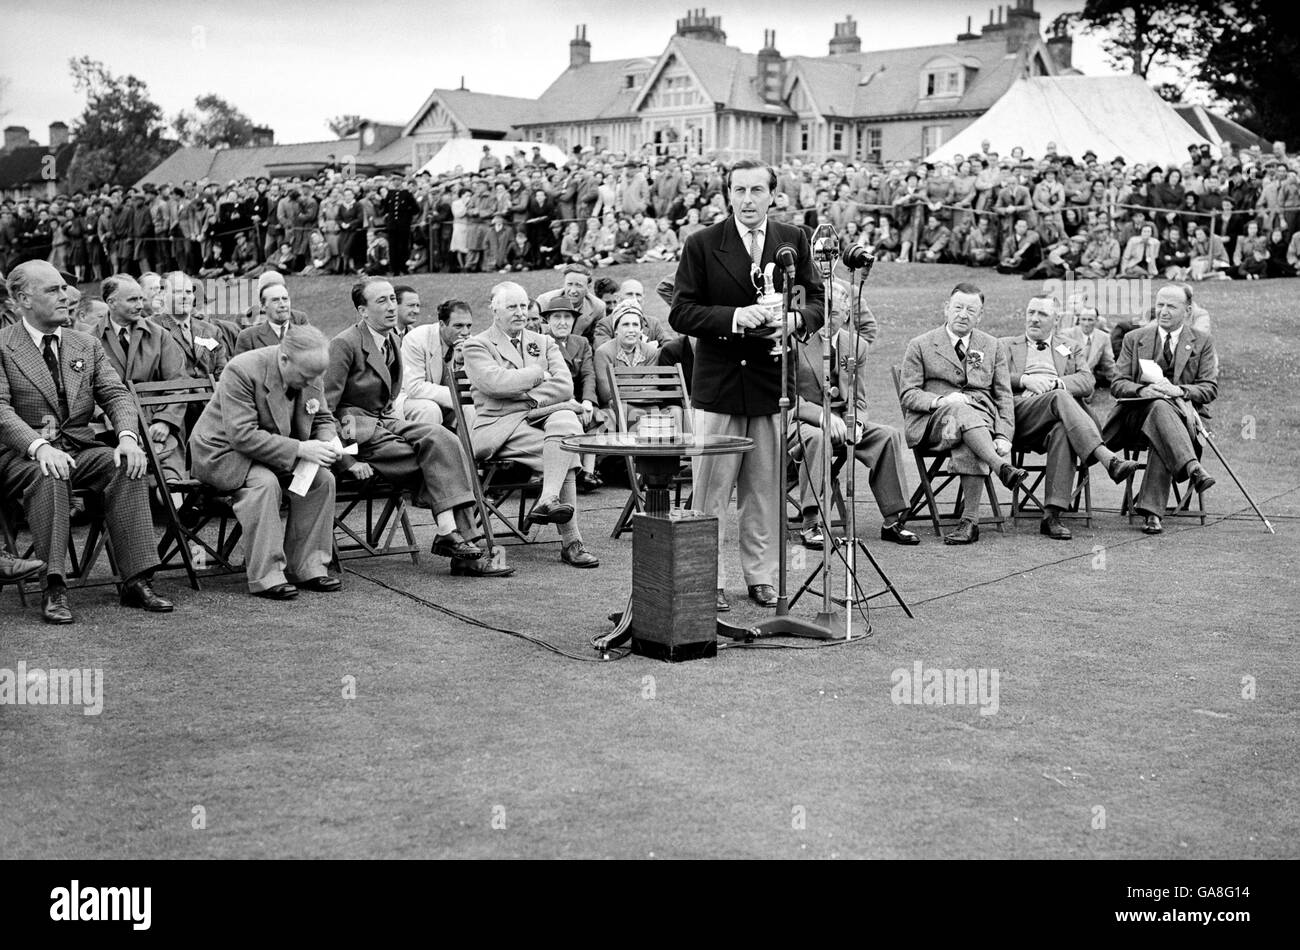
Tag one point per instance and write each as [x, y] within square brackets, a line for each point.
[268, 418]
[1165, 371]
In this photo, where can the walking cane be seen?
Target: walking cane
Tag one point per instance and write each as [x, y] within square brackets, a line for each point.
[1190, 412]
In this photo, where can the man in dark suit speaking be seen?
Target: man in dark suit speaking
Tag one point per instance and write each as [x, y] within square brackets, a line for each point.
[737, 381]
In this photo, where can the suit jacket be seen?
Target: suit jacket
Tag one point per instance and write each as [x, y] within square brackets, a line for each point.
[153, 357]
[1196, 369]
[506, 384]
[424, 361]
[250, 418]
[29, 402]
[579, 358]
[358, 384]
[1097, 352]
[809, 357]
[256, 337]
[930, 369]
[207, 355]
[1067, 355]
[735, 374]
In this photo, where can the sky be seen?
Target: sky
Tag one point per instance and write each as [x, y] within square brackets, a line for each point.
[292, 64]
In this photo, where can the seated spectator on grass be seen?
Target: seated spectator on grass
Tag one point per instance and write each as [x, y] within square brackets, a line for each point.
[664, 246]
[1141, 253]
[1100, 257]
[520, 256]
[1060, 260]
[1293, 252]
[1021, 251]
[1209, 260]
[1278, 266]
[1250, 258]
[1174, 258]
[690, 227]
[629, 246]
[932, 245]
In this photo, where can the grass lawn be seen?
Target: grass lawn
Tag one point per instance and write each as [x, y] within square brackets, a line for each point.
[1123, 728]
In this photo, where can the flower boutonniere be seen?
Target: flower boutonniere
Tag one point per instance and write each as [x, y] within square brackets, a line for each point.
[974, 359]
[78, 365]
[534, 349]
[313, 406]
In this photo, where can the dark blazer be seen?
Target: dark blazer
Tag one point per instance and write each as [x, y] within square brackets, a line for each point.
[1196, 369]
[256, 337]
[358, 384]
[578, 357]
[154, 357]
[251, 419]
[733, 373]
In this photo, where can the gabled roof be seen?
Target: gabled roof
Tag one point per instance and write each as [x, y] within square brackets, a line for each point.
[477, 111]
[1218, 128]
[586, 92]
[233, 164]
[26, 165]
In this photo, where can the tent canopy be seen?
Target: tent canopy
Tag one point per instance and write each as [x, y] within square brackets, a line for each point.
[1109, 115]
[467, 153]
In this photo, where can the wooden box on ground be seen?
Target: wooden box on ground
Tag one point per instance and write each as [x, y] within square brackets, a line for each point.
[674, 587]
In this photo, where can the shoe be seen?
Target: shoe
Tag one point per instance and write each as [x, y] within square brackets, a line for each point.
[898, 534]
[1052, 527]
[763, 594]
[966, 532]
[548, 511]
[1152, 525]
[812, 538]
[454, 546]
[54, 605]
[480, 566]
[576, 555]
[13, 567]
[1122, 469]
[723, 604]
[1202, 481]
[325, 584]
[1011, 476]
[587, 482]
[140, 593]
[278, 592]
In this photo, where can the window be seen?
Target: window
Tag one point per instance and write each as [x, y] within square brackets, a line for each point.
[805, 136]
[872, 153]
[932, 136]
[943, 82]
[837, 137]
[629, 81]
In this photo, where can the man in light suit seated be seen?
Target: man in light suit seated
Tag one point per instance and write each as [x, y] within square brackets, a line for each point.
[428, 350]
[523, 399]
[269, 413]
[877, 446]
[362, 381]
[956, 397]
[1049, 376]
[1159, 417]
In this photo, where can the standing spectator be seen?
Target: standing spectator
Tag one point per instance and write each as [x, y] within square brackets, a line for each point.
[541, 212]
[401, 209]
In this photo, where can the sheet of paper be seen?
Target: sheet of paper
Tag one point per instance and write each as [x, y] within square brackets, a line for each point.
[1149, 371]
[304, 473]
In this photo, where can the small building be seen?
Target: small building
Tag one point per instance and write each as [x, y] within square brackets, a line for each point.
[31, 170]
[461, 114]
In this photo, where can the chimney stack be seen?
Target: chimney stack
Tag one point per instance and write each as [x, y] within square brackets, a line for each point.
[16, 136]
[698, 25]
[1061, 45]
[58, 134]
[771, 69]
[263, 136]
[579, 48]
[968, 35]
[1022, 24]
[846, 38]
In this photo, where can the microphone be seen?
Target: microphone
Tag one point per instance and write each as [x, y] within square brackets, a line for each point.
[786, 258]
[859, 257]
[825, 244]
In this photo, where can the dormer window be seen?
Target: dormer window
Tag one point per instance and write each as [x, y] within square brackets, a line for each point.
[947, 76]
[943, 82]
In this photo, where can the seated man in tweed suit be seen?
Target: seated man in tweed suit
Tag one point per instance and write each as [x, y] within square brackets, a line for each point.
[956, 396]
[51, 379]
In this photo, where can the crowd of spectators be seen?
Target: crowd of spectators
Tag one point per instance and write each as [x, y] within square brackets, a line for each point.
[1210, 218]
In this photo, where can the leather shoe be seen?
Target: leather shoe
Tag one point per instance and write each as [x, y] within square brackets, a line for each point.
[1152, 525]
[763, 594]
[54, 605]
[480, 566]
[898, 534]
[325, 584]
[1052, 527]
[278, 592]
[1121, 469]
[454, 546]
[966, 532]
[587, 482]
[140, 593]
[1011, 476]
[576, 555]
[1201, 480]
[548, 511]
[812, 538]
[13, 567]
[723, 604]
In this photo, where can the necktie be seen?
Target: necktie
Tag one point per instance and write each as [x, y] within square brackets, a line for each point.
[52, 364]
[1167, 354]
[390, 354]
[961, 352]
[755, 249]
[292, 394]
[518, 341]
[1041, 344]
[124, 338]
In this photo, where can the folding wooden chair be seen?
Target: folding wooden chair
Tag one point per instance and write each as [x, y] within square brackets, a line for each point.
[646, 386]
[80, 564]
[1182, 506]
[1025, 502]
[183, 545]
[375, 536]
[936, 477]
[495, 481]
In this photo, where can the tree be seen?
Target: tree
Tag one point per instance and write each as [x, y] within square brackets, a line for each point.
[1139, 35]
[1252, 62]
[215, 124]
[4, 84]
[120, 132]
[344, 125]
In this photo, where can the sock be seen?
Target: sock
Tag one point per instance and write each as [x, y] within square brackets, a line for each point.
[972, 493]
[569, 495]
[556, 468]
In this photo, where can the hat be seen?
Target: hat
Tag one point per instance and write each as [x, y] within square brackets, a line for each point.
[560, 303]
[1090, 152]
[266, 279]
[1118, 160]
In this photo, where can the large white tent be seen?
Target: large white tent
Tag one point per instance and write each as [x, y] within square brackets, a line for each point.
[467, 153]
[1109, 115]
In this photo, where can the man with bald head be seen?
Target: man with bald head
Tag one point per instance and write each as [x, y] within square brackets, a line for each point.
[141, 351]
[200, 341]
[51, 380]
[269, 413]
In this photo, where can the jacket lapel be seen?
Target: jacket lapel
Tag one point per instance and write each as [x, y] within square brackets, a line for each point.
[30, 361]
[1060, 362]
[1186, 340]
[276, 400]
[940, 343]
[113, 348]
[374, 356]
[70, 352]
[734, 257]
[1018, 356]
[507, 349]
